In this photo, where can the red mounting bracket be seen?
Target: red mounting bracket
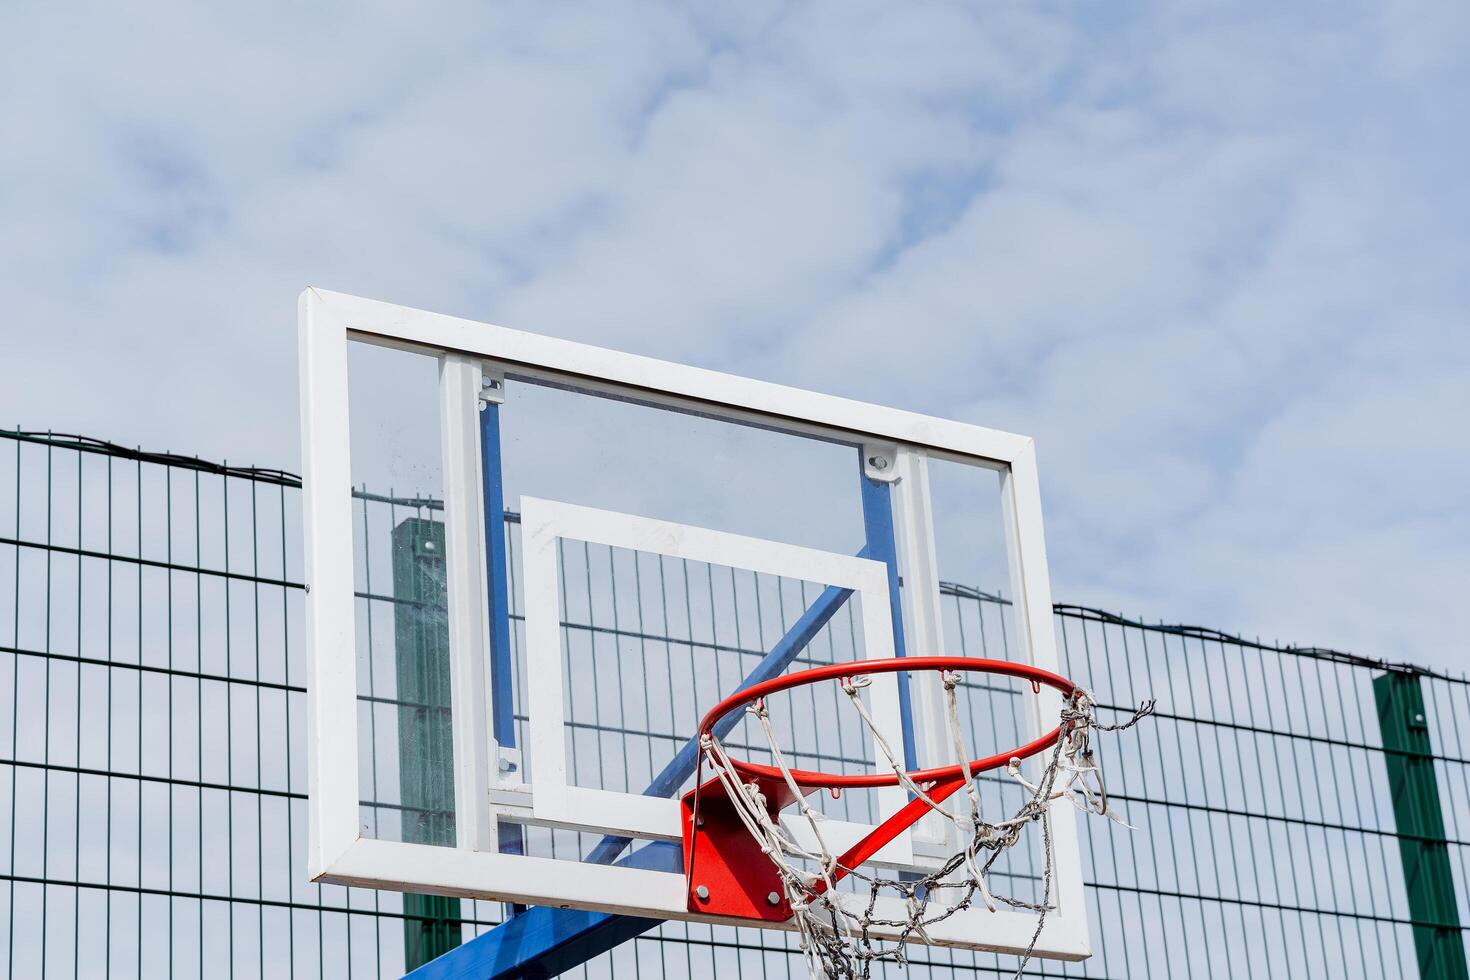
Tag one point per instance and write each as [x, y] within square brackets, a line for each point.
[725, 869]
[728, 874]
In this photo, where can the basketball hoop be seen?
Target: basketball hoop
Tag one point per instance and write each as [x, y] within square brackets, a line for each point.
[740, 862]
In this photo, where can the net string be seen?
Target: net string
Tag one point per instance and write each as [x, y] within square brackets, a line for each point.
[837, 938]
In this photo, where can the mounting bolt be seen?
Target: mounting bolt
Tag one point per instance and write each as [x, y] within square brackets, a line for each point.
[702, 893]
[773, 898]
[492, 389]
[880, 462]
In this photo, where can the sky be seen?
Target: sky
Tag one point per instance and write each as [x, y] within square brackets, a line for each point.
[1213, 257]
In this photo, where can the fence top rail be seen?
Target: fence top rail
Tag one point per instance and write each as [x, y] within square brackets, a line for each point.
[88, 444]
[1204, 634]
[285, 478]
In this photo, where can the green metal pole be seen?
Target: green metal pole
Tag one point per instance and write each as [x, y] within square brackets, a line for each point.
[1416, 809]
[425, 740]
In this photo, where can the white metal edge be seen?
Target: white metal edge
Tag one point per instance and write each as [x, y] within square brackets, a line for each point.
[883, 696]
[601, 811]
[702, 544]
[448, 333]
[331, 672]
[459, 384]
[519, 878]
[617, 890]
[546, 715]
[1031, 589]
[515, 804]
[914, 519]
[923, 622]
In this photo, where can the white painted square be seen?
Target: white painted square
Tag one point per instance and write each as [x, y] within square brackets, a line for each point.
[543, 523]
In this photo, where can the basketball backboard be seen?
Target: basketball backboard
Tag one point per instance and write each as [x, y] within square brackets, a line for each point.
[512, 717]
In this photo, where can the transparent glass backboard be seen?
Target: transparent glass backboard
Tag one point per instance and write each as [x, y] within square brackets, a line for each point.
[534, 565]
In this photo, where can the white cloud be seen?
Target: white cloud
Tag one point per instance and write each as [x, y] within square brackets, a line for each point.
[1213, 259]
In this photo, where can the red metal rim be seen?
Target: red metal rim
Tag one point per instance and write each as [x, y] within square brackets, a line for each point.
[803, 777]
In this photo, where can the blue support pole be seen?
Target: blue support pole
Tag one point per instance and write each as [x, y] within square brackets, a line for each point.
[502, 682]
[883, 546]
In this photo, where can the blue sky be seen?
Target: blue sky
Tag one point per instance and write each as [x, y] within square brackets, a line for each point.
[1212, 256]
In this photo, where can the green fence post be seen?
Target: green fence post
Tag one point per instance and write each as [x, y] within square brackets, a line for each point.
[1416, 809]
[425, 740]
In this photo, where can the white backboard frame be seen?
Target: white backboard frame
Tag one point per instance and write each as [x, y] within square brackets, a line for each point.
[337, 850]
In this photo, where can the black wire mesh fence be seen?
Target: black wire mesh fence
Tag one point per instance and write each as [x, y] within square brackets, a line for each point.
[1298, 812]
